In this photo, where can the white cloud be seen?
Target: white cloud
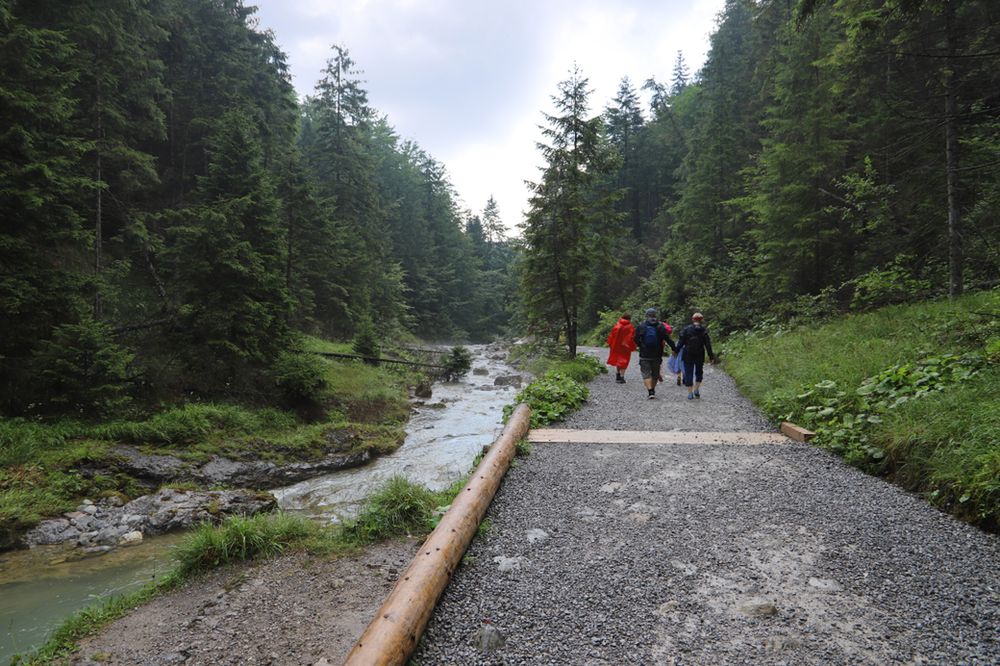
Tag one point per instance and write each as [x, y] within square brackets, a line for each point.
[469, 81]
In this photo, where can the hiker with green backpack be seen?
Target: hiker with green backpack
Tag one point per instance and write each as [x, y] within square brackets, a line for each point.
[694, 342]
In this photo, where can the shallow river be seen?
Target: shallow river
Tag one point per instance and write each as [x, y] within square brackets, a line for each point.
[41, 587]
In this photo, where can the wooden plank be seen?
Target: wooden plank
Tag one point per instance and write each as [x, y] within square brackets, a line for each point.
[393, 634]
[796, 432]
[541, 435]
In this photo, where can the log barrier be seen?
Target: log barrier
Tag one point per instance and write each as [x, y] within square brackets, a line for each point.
[393, 635]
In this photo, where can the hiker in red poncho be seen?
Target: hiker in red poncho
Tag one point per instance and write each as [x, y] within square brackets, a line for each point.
[621, 344]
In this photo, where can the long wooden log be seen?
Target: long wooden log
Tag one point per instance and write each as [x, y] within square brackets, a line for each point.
[380, 359]
[393, 634]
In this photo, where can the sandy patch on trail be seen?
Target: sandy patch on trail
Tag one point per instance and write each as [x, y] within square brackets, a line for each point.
[292, 610]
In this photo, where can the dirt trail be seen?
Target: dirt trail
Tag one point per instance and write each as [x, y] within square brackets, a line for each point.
[292, 610]
[713, 554]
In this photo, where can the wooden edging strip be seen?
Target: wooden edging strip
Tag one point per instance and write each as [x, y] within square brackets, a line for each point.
[542, 435]
[796, 432]
[393, 634]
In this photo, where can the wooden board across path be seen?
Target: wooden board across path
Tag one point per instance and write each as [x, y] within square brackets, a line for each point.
[541, 435]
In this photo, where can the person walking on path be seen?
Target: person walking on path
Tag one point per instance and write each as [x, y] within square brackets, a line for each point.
[695, 342]
[673, 361]
[621, 344]
[651, 338]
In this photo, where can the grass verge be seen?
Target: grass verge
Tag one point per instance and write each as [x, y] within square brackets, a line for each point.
[908, 392]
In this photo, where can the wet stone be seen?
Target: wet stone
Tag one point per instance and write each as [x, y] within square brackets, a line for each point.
[488, 638]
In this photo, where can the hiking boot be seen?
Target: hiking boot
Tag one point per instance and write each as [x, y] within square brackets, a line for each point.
[690, 396]
[620, 380]
[651, 396]
[697, 394]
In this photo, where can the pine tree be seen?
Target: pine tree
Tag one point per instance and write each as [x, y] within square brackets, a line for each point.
[801, 242]
[43, 278]
[571, 210]
[227, 257]
[681, 77]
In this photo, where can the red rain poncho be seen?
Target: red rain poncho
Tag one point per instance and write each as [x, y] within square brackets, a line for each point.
[621, 344]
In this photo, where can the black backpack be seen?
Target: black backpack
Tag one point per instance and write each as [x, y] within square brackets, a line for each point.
[695, 343]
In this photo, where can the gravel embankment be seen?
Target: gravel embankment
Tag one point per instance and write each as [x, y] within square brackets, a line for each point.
[713, 554]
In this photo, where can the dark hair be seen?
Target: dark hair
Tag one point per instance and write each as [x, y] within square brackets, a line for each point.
[627, 317]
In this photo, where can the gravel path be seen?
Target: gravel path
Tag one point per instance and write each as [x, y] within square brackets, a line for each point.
[712, 554]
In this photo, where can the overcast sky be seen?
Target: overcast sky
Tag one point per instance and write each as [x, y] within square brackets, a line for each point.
[469, 80]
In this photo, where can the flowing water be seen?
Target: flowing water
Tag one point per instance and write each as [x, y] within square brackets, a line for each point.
[40, 587]
[443, 438]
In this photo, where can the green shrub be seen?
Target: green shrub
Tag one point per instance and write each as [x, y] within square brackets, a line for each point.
[457, 363]
[300, 377]
[581, 368]
[243, 538]
[884, 286]
[366, 344]
[551, 397]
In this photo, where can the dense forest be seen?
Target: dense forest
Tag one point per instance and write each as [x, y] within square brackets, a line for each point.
[830, 156]
[173, 215]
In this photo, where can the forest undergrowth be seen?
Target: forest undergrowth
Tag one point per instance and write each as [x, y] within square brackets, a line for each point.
[908, 392]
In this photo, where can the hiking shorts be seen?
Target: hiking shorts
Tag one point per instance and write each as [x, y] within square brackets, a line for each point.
[650, 367]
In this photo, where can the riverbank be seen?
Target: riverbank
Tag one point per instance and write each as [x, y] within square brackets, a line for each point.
[444, 434]
[49, 469]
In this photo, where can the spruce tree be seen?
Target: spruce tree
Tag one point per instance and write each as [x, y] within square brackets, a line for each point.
[571, 212]
[43, 248]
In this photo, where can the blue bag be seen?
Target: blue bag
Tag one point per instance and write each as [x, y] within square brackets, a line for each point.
[676, 363]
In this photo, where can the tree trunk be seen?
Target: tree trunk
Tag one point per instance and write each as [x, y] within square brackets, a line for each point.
[99, 222]
[955, 254]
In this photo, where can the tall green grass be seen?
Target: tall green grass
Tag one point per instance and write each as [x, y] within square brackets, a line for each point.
[943, 442]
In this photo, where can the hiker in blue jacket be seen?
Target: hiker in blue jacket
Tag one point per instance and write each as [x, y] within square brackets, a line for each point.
[695, 342]
[650, 337]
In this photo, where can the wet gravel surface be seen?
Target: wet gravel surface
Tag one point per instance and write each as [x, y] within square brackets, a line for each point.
[712, 554]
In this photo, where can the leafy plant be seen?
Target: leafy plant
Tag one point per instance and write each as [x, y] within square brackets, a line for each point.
[551, 397]
[300, 376]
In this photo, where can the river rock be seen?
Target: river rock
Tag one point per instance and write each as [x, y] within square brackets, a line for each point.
[157, 513]
[53, 531]
[508, 380]
[423, 389]
[480, 371]
[132, 538]
[149, 466]
[220, 471]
